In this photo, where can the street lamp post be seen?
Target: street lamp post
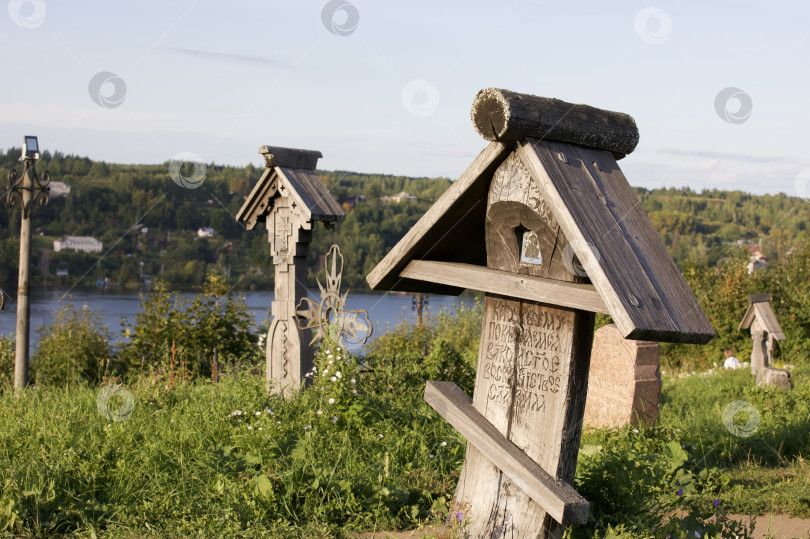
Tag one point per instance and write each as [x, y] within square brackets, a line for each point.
[26, 190]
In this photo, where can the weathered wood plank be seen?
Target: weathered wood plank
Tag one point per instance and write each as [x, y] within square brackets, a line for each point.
[253, 211]
[607, 246]
[768, 320]
[676, 296]
[551, 291]
[313, 194]
[458, 212]
[506, 116]
[559, 499]
[759, 298]
[519, 219]
[276, 156]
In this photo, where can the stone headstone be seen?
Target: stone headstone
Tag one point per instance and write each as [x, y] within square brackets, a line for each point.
[624, 383]
[769, 376]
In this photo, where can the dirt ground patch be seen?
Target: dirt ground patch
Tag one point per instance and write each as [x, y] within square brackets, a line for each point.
[776, 526]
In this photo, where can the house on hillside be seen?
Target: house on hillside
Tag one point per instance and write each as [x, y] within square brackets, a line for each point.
[205, 232]
[757, 260]
[59, 189]
[85, 244]
[399, 198]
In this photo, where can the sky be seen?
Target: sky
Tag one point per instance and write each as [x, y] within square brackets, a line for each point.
[719, 90]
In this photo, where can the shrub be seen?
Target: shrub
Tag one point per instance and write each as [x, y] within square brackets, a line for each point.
[73, 349]
[172, 334]
[444, 348]
[6, 363]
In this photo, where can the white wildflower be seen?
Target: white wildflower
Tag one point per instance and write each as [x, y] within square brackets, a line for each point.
[334, 378]
[331, 401]
[444, 444]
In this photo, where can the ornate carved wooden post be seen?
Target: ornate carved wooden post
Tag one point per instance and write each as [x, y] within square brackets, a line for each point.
[765, 331]
[289, 198]
[552, 234]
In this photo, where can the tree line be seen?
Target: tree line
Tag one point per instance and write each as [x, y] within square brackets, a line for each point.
[148, 224]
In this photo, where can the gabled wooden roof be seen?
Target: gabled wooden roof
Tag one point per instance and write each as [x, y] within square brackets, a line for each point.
[302, 184]
[452, 230]
[631, 270]
[761, 308]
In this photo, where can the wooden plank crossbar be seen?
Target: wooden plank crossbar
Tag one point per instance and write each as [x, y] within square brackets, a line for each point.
[557, 498]
[550, 291]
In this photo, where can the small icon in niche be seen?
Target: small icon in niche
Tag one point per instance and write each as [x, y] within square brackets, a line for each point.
[530, 251]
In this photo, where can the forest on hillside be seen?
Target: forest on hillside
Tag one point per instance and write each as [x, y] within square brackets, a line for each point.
[148, 224]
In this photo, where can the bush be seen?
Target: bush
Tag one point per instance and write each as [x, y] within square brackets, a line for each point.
[723, 292]
[74, 349]
[6, 363]
[444, 348]
[176, 335]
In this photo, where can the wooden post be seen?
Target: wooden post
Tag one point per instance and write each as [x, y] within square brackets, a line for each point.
[27, 191]
[759, 352]
[215, 366]
[419, 302]
[532, 363]
[289, 357]
[23, 290]
[289, 198]
[171, 365]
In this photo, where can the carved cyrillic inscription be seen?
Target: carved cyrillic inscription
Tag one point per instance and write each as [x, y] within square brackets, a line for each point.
[522, 349]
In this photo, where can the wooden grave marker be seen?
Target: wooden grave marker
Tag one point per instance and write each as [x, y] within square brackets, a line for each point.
[765, 331]
[289, 197]
[544, 222]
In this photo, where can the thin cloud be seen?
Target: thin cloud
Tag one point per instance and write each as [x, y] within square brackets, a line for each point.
[730, 156]
[231, 57]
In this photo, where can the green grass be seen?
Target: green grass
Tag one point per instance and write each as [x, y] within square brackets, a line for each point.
[691, 463]
[185, 464]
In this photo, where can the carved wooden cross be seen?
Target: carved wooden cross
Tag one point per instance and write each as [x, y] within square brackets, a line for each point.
[289, 198]
[554, 234]
[765, 331]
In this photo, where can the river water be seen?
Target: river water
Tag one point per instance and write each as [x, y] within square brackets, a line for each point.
[114, 306]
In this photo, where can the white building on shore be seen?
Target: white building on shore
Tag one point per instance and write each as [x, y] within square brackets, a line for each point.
[86, 244]
[59, 189]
